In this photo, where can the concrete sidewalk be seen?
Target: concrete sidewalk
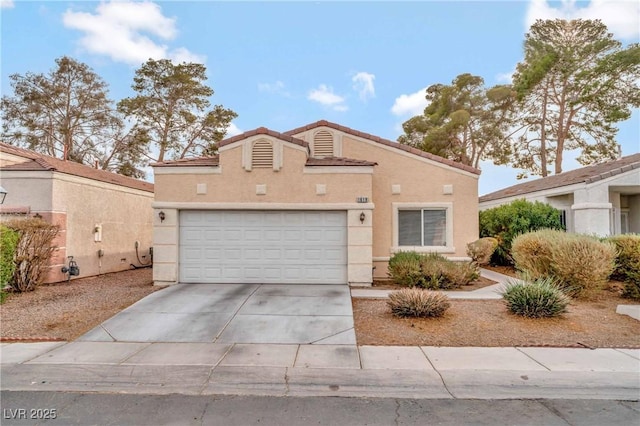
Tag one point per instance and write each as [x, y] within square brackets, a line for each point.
[322, 370]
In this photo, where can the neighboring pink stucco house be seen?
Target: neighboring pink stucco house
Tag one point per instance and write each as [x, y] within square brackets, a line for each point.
[101, 214]
[321, 204]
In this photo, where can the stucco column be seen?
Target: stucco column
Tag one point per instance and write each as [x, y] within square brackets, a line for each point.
[360, 247]
[592, 211]
[165, 247]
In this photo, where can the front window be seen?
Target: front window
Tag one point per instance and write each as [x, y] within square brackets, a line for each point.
[425, 227]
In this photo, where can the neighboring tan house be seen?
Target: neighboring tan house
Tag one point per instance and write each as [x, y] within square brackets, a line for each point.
[321, 204]
[603, 199]
[101, 214]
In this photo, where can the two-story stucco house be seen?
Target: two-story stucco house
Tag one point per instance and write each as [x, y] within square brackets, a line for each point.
[320, 204]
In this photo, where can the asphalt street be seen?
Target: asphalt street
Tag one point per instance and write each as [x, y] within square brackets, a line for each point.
[72, 408]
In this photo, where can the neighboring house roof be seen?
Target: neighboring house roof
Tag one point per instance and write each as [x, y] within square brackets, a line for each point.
[586, 175]
[386, 142]
[40, 162]
[263, 131]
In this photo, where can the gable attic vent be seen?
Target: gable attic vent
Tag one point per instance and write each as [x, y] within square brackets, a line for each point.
[323, 144]
[262, 155]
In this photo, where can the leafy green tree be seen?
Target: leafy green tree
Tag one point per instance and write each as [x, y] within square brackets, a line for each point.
[67, 114]
[171, 108]
[464, 122]
[574, 84]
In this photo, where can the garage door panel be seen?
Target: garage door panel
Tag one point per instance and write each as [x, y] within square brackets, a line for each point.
[293, 247]
[272, 235]
[212, 253]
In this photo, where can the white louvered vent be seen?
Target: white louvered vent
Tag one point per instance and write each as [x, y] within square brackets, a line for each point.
[262, 155]
[323, 144]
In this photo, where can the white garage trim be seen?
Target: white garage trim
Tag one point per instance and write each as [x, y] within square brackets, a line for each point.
[263, 246]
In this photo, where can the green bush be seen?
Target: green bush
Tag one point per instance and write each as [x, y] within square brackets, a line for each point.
[404, 269]
[431, 271]
[627, 263]
[433, 267]
[458, 274]
[535, 299]
[506, 222]
[481, 250]
[579, 264]
[415, 302]
[8, 242]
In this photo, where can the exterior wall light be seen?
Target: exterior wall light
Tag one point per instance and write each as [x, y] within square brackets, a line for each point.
[161, 215]
[3, 194]
[362, 217]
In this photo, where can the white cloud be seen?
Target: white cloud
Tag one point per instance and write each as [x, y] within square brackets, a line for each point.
[121, 31]
[505, 77]
[622, 17]
[6, 4]
[324, 95]
[233, 130]
[277, 87]
[413, 104]
[363, 84]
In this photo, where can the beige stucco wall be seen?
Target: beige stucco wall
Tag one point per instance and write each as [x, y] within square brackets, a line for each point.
[291, 184]
[420, 181]
[27, 189]
[124, 216]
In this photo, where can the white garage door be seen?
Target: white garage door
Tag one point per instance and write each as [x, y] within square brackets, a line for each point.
[288, 247]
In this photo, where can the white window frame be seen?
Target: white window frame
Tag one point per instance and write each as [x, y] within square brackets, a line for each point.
[447, 207]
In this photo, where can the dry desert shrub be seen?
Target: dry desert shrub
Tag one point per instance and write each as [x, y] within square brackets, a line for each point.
[481, 250]
[415, 302]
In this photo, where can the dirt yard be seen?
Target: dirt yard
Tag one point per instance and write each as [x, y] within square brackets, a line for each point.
[592, 324]
[66, 311]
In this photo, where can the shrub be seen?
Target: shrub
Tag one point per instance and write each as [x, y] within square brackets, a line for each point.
[432, 271]
[415, 302]
[531, 252]
[433, 268]
[627, 263]
[535, 299]
[481, 250]
[582, 264]
[8, 243]
[507, 221]
[33, 252]
[579, 264]
[404, 269]
[457, 274]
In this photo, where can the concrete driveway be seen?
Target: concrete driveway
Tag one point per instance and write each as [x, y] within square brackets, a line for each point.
[235, 313]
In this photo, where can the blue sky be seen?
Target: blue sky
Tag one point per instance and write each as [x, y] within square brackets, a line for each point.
[281, 65]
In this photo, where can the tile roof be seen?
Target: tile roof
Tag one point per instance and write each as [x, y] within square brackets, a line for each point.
[44, 162]
[185, 162]
[338, 161]
[263, 131]
[586, 175]
[399, 146]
